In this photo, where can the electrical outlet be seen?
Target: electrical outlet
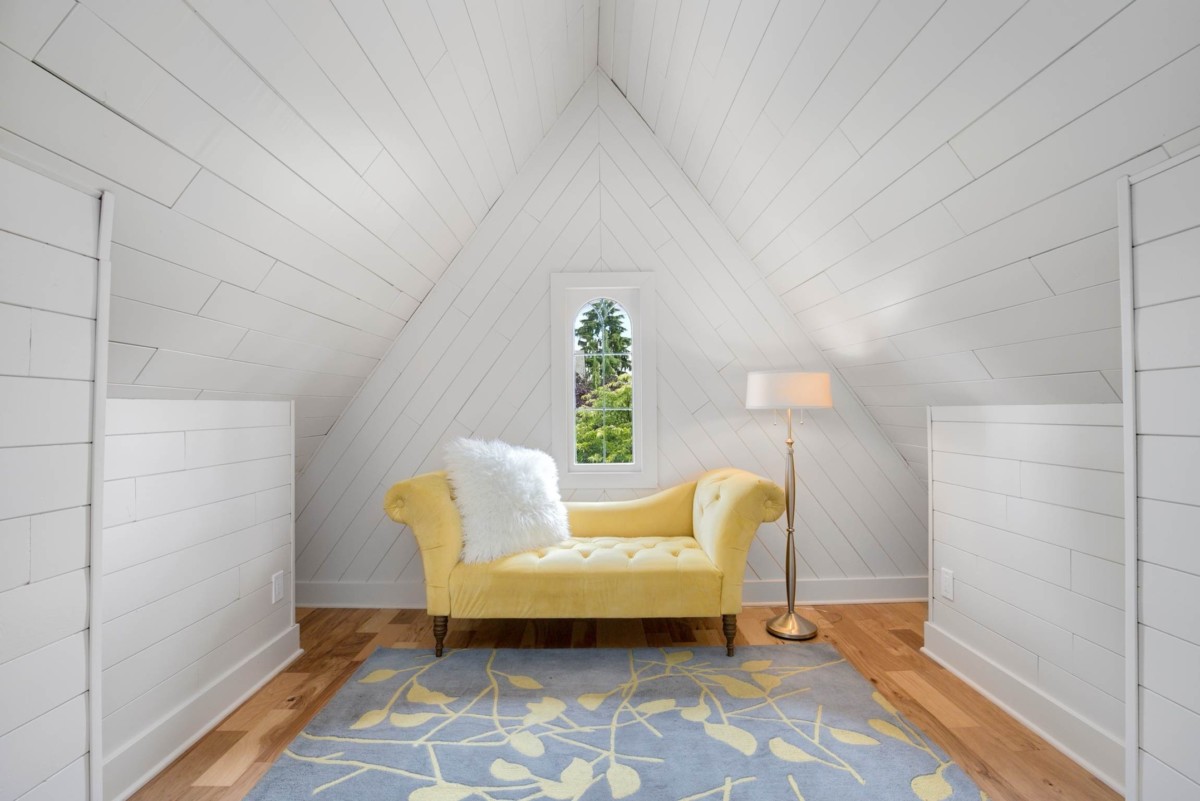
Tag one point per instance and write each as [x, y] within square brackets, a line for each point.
[947, 588]
[277, 587]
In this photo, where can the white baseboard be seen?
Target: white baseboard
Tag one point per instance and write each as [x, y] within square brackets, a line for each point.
[1095, 750]
[873, 590]
[376, 595]
[411, 594]
[126, 771]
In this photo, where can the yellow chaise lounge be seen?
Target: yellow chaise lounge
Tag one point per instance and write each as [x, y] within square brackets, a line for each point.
[678, 553]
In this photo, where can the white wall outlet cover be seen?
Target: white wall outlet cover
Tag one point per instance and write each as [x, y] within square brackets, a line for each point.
[946, 589]
[277, 587]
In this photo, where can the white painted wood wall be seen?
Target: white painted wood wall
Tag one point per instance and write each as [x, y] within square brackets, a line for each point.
[199, 499]
[293, 175]
[49, 273]
[600, 193]
[1028, 514]
[1162, 276]
[926, 184]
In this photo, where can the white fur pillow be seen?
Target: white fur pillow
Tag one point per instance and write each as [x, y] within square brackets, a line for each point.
[507, 496]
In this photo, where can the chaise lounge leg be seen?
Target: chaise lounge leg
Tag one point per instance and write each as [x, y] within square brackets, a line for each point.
[439, 633]
[729, 622]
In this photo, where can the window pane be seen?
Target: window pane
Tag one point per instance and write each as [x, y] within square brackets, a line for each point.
[588, 378]
[589, 437]
[603, 375]
[618, 437]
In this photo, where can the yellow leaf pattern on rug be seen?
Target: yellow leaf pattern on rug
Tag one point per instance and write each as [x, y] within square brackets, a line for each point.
[372, 718]
[678, 657]
[890, 729]
[732, 736]
[509, 771]
[932, 786]
[654, 707]
[376, 676]
[788, 752]
[851, 737]
[525, 682]
[767, 681]
[697, 713]
[592, 701]
[756, 665]
[543, 710]
[527, 744]
[419, 694]
[622, 780]
[572, 782]
[407, 721]
[442, 792]
[737, 688]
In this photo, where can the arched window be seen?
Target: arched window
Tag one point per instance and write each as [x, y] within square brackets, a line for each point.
[603, 384]
[604, 411]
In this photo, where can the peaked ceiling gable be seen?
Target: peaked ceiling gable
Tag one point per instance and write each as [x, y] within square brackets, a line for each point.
[601, 194]
[928, 186]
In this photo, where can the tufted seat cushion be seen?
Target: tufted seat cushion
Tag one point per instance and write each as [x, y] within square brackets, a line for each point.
[592, 577]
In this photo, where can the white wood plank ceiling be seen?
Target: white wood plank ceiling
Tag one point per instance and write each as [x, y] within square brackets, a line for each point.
[926, 184]
[929, 186]
[292, 175]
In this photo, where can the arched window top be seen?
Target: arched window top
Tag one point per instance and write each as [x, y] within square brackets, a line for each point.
[603, 367]
[602, 326]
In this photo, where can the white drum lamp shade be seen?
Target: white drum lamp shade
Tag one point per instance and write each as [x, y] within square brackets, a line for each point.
[788, 390]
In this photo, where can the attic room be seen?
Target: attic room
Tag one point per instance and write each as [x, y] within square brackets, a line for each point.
[483, 400]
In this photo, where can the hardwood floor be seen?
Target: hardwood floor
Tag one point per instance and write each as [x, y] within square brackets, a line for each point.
[883, 641]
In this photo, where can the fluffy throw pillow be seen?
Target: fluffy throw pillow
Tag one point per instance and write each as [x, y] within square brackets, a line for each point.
[507, 496]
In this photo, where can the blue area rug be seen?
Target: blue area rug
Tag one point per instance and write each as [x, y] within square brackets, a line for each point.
[772, 723]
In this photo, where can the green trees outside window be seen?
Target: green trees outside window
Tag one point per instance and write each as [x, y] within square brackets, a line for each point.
[603, 384]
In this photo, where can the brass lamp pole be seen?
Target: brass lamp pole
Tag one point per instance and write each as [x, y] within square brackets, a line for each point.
[788, 391]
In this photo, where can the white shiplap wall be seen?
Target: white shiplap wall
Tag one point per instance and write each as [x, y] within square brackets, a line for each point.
[293, 175]
[926, 184]
[48, 316]
[1165, 335]
[1027, 513]
[198, 518]
[600, 193]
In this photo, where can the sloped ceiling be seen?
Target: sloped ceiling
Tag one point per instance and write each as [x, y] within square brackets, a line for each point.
[929, 186]
[292, 175]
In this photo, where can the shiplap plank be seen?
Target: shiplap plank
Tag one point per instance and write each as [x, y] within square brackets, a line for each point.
[34, 103]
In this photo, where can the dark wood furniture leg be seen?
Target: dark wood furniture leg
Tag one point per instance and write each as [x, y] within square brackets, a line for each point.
[729, 622]
[439, 633]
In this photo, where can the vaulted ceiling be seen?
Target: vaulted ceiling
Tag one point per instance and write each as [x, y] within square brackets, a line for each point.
[928, 185]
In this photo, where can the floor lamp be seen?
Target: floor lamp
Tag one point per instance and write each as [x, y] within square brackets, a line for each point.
[789, 390]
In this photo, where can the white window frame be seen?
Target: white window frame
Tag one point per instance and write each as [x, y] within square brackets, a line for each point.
[569, 292]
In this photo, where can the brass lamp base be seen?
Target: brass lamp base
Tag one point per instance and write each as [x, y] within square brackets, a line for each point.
[790, 626]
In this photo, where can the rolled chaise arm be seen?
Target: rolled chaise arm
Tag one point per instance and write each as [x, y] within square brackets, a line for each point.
[729, 507]
[426, 505]
[663, 514]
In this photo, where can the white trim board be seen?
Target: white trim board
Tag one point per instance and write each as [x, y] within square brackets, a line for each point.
[134, 765]
[1031, 707]
[771, 592]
